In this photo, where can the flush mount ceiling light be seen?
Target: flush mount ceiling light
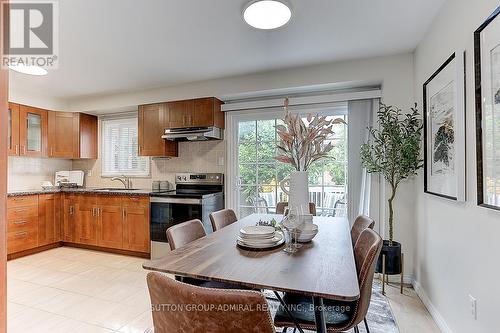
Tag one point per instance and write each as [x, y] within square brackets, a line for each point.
[30, 70]
[267, 14]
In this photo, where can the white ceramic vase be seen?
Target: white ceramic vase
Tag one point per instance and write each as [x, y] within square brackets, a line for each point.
[299, 191]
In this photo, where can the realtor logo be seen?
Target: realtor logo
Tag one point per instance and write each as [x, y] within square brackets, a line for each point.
[32, 37]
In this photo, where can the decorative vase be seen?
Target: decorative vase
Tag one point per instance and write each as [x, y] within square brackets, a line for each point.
[298, 195]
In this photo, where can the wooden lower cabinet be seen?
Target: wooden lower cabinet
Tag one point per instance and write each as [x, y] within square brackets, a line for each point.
[136, 235]
[85, 220]
[49, 219]
[110, 222]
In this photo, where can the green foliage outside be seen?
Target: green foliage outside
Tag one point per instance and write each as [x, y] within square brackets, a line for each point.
[260, 164]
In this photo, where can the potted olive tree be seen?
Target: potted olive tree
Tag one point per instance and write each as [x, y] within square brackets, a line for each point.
[394, 152]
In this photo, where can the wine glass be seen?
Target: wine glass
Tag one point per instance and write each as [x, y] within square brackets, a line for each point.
[290, 224]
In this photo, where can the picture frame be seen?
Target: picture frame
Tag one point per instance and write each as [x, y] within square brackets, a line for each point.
[487, 102]
[444, 130]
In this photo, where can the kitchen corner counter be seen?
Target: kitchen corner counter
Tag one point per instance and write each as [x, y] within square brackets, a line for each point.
[85, 190]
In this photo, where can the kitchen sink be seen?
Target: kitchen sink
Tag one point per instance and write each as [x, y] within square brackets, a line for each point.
[113, 189]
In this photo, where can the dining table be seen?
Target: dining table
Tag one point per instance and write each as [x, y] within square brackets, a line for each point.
[322, 268]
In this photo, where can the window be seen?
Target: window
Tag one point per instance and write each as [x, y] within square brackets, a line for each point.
[120, 149]
[259, 174]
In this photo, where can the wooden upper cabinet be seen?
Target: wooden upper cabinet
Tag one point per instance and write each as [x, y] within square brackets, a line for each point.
[152, 119]
[180, 114]
[72, 135]
[49, 219]
[63, 134]
[33, 131]
[87, 136]
[13, 129]
[207, 112]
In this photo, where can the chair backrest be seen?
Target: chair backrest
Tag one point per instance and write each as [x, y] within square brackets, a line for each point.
[180, 307]
[222, 218]
[360, 223]
[183, 233]
[366, 252]
[281, 206]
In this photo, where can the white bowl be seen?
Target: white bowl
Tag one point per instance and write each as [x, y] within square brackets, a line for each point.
[305, 237]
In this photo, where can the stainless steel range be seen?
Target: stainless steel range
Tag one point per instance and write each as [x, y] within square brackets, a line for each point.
[195, 197]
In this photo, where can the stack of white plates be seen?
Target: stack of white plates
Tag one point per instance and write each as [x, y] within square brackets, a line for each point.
[259, 237]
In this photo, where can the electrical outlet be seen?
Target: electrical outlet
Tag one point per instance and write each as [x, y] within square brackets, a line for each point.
[473, 307]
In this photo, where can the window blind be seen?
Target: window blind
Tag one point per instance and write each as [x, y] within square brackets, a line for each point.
[120, 149]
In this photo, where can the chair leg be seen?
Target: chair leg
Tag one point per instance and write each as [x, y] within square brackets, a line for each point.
[284, 329]
[294, 329]
[366, 325]
[356, 329]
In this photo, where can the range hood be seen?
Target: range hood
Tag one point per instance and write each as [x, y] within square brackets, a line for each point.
[193, 134]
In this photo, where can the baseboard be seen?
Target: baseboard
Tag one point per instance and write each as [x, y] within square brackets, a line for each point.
[441, 323]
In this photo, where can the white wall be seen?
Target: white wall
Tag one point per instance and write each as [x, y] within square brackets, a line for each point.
[395, 73]
[457, 243]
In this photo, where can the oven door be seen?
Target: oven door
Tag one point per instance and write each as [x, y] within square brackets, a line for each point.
[167, 212]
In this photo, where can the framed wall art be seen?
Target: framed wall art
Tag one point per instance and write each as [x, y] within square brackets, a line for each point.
[444, 130]
[487, 89]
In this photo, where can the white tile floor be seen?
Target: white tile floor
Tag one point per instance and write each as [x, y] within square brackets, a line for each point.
[79, 291]
[74, 290]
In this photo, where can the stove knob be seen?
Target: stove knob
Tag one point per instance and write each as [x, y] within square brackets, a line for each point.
[184, 178]
[179, 177]
[217, 177]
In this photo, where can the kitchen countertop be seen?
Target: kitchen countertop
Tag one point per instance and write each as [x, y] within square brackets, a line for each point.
[84, 190]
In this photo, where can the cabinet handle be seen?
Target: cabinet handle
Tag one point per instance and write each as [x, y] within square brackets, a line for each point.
[93, 212]
[124, 214]
[20, 222]
[21, 210]
[21, 234]
[99, 211]
[51, 151]
[17, 149]
[70, 210]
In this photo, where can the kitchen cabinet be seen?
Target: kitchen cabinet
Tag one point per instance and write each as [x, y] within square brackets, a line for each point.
[118, 222]
[63, 134]
[13, 129]
[22, 223]
[136, 235]
[151, 127]
[33, 131]
[85, 220]
[109, 221]
[207, 112]
[180, 114]
[68, 226]
[72, 135]
[49, 219]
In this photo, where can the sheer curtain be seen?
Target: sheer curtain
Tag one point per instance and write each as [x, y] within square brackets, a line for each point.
[361, 114]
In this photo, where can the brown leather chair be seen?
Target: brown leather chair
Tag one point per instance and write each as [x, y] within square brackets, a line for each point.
[360, 223]
[183, 233]
[281, 206]
[180, 307]
[222, 218]
[366, 252]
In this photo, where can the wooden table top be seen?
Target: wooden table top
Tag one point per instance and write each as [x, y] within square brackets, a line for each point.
[325, 267]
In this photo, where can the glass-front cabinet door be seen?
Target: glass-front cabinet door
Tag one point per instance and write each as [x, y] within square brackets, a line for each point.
[13, 129]
[33, 131]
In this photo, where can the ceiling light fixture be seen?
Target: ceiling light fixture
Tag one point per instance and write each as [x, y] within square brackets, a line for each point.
[267, 14]
[30, 70]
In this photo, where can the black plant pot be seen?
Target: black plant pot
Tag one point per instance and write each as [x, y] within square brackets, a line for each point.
[392, 258]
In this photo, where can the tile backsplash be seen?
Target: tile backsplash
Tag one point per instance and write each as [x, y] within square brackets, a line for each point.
[26, 173]
[203, 156]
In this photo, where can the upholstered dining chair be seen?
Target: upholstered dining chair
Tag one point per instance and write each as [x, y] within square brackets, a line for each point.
[180, 307]
[184, 233]
[222, 218]
[281, 207]
[360, 223]
[366, 252]
[180, 235]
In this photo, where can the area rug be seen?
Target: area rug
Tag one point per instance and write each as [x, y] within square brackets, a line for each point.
[380, 317]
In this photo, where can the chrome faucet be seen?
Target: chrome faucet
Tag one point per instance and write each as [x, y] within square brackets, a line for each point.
[124, 180]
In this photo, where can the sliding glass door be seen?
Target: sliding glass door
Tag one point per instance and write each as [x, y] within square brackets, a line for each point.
[258, 175]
